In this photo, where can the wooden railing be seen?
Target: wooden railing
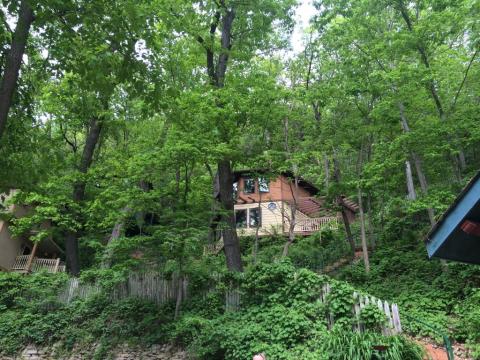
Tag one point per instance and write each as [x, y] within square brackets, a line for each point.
[21, 264]
[316, 224]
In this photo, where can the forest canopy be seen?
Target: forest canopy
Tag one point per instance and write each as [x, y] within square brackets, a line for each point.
[123, 123]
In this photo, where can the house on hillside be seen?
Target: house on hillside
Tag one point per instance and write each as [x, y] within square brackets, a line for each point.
[267, 204]
[19, 253]
[456, 236]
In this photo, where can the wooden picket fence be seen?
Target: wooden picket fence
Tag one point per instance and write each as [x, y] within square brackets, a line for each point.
[149, 286]
[393, 325]
[154, 287]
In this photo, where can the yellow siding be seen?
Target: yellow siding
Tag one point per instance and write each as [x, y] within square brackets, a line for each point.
[272, 220]
[9, 247]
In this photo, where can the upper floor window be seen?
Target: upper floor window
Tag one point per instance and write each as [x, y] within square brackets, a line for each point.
[248, 186]
[235, 190]
[263, 185]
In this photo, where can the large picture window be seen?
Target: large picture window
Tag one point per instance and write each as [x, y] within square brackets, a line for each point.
[248, 218]
[255, 218]
[249, 186]
[241, 218]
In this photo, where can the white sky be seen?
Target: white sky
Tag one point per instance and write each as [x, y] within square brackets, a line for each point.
[304, 13]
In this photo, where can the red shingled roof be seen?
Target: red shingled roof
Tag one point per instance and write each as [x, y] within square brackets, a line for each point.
[315, 207]
[349, 204]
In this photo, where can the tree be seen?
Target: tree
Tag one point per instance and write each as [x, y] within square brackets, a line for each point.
[14, 57]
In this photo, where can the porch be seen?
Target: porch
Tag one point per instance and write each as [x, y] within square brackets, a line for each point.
[303, 227]
[29, 263]
[311, 225]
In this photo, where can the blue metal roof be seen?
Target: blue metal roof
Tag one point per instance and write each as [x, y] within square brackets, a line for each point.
[447, 240]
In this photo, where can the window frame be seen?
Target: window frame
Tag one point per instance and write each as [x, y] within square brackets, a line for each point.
[259, 217]
[235, 190]
[247, 180]
[263, 180]
[245, 226]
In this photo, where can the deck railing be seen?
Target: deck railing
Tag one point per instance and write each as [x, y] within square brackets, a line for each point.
[21, 264]
[316, 224]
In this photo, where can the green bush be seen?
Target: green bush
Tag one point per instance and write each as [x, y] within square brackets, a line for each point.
[280, 314]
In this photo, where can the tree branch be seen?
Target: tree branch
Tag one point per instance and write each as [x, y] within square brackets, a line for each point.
[463, 81]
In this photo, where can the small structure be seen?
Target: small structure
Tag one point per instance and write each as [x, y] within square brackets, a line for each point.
[456, 236]
[265, 205]
[19, 253]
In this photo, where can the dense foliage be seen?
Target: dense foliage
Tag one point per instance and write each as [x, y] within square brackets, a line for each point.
[119, 119]
[433, 301]
[280, 314]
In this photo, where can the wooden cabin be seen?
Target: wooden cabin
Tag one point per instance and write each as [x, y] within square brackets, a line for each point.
[266, 204]
[19, 253]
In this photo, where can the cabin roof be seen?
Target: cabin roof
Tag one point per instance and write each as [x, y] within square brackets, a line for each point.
[449, 238]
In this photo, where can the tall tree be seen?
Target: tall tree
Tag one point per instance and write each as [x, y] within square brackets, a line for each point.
[14, 57]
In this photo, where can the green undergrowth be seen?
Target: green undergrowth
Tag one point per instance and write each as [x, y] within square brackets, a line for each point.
[314, 252]
[446, 298]
[280, 314]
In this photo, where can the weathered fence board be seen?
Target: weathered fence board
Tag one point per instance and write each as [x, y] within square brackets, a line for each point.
[149, 286]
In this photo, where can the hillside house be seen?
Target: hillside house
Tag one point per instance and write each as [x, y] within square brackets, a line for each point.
[267, 204]
[19, 253]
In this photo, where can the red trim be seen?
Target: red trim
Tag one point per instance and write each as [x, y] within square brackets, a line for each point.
[471, 228]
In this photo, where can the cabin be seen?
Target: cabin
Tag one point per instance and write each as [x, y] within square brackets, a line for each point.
[20, 254]
[456, 236]
[265, 205]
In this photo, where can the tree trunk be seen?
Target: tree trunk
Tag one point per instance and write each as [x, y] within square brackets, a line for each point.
[115, 235]
[14, 61]
[225, 176]
[417, 162]
[371, 230]
[257, 229]
[412, 195]
[327, 170]
[230, 239]
[362, 232]
[71, 239]
[346, 223]
[293, 220]
[178, 303]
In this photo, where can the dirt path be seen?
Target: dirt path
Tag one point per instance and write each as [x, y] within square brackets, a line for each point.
[437, 352]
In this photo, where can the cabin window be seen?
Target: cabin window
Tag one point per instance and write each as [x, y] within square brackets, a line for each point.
[25, 250]
[249, 186]
[255, 218]
[241, 218]
[263, 185]
[235, 190]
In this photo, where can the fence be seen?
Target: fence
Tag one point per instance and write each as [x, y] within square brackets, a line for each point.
[154, 287]
[148, 286]
[393, 325]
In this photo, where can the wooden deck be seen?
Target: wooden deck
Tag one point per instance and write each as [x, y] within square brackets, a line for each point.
[26, 264]
[303, 227]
